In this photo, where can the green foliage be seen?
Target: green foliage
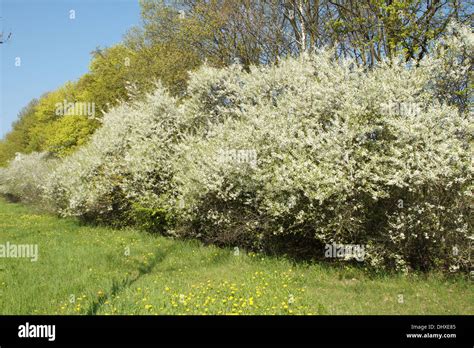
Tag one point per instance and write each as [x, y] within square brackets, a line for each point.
[157, 220]
[41, 127]
[18, 140]
[68, 133]
[111, 71]
[45, 114]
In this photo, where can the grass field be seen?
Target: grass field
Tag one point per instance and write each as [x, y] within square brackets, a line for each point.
[96, 270]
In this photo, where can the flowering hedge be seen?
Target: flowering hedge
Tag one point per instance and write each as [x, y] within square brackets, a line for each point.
[292, 157]
[25, 176]
[126, 163]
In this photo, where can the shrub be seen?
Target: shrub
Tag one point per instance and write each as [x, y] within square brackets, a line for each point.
[158, 220]
[378, 158]
[127, 161]
[291, 157]
[24, 177]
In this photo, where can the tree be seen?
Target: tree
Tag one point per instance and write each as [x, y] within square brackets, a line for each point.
[371, 30]
[260, 32]
[19, 138]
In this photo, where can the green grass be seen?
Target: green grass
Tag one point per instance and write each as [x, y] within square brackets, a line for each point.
[84, 270]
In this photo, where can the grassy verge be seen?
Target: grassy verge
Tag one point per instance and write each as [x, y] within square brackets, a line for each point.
[96, 270]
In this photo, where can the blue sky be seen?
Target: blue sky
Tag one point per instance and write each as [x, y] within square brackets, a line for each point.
[52, 47]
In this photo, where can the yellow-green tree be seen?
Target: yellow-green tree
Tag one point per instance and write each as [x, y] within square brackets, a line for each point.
[19, 138]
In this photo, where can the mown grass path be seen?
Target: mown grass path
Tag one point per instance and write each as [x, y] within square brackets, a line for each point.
[97, 270]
